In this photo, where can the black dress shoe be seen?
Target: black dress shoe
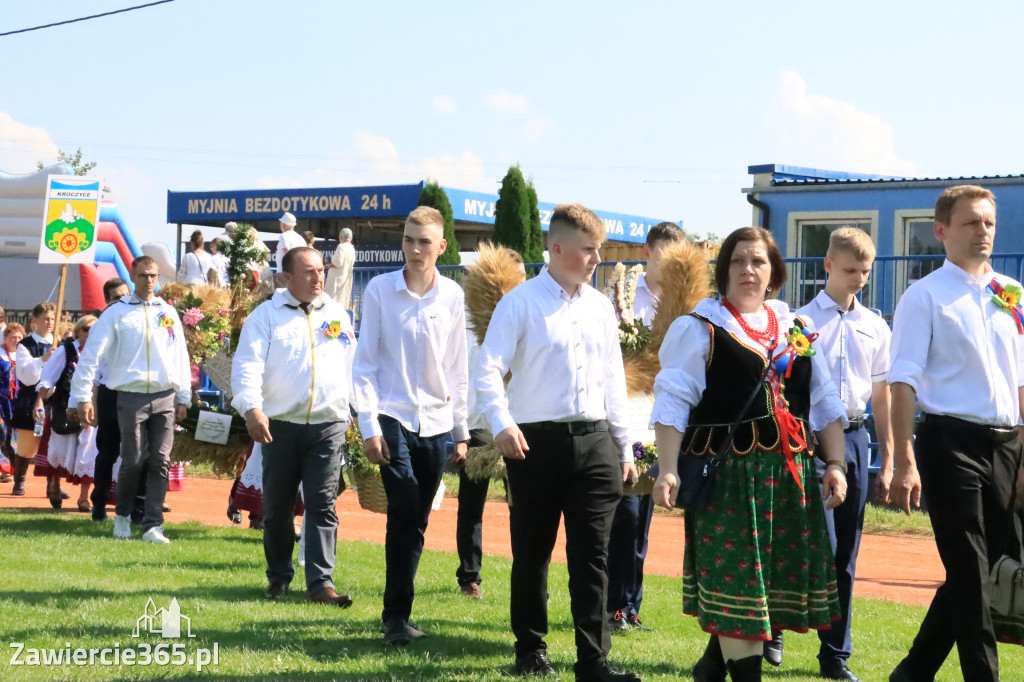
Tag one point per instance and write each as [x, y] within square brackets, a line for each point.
[534, 663]
[275, 590]
[637, 624]
[899, 675]
[401, 632]
[837, 670]
[773, 649]
[166, 509]
[606, 674]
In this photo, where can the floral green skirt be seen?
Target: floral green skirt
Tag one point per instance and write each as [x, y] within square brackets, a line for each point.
[758, 555]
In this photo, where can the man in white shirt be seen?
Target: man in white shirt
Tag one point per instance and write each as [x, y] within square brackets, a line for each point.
[292, 379]
[561, 426]
[627, 547]
[855, 342]
[289, 239]
[142, 343]
[410, 376]
[957, 356]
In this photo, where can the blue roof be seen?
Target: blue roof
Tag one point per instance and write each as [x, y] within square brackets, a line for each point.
[794, 174]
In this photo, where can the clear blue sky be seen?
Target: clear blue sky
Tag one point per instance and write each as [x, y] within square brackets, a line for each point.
[649, 108]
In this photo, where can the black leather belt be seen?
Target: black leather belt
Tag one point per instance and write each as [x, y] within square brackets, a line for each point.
[855, 425]
[580, 428]
[995, 434]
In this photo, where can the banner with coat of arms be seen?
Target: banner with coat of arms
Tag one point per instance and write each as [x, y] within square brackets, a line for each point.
[69, 220]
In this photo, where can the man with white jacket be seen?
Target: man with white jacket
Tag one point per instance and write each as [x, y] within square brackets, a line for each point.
[292, 379]
[142, 343]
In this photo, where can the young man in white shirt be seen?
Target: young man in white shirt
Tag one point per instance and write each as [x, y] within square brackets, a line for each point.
[561, 426]
[289, 239]
[957, 356]
[855, 342]
[627, 547]
[142, 343]
[292, 379]
[410, 377]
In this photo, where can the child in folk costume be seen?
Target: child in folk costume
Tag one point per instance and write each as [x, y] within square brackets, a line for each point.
[71, 448]
[33, 351]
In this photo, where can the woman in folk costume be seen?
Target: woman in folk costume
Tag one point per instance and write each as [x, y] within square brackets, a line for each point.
[33, 352]
[757, 553]
[12, 335]
[71, 448]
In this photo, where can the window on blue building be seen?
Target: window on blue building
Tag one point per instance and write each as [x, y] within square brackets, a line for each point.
[921, 241]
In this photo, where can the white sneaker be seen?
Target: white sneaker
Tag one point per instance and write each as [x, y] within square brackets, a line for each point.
[156, 536]
[122, 527]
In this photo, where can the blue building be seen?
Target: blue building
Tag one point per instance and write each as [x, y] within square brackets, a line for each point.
[802, 206]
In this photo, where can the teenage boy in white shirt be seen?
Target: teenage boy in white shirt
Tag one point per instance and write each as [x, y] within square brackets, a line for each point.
[292, 379]
[561, 427]
[855, 342]
[142, 343]
[957, 356]
[411, 380]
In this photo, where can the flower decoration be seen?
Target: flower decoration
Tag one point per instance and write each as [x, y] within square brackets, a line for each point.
[644, 456]
[166, 322]
[800, 341]
[192, 317]
[1007, 298]
[332, 330]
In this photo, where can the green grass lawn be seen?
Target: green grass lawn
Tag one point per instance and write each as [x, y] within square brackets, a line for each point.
[67, 582]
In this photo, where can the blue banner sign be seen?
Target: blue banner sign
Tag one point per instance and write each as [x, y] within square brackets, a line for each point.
[268, 204]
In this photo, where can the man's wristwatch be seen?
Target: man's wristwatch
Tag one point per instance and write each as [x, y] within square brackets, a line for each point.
[841, 463]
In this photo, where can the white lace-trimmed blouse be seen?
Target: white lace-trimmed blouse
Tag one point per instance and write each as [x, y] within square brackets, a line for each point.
[684, 354]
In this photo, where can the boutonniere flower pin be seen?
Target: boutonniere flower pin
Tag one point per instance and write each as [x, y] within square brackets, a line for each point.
[334, 330]
[800, 340]
[1007, 298]
[167, 323]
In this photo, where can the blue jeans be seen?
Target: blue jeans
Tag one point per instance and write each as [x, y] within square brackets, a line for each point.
[845, 524]
[627, 550]
[410, 481]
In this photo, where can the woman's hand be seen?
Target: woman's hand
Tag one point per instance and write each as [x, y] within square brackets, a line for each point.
[833, 485]
[666, 488]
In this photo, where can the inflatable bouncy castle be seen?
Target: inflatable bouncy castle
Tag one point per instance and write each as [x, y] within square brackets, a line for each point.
[23, 281]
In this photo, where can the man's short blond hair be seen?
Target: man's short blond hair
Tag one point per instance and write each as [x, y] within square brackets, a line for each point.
[576, 217]
[947, 200]
[851, 240]
[425, 215]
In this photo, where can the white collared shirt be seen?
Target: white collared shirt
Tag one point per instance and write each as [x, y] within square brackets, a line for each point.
[958, 350]
[564, 356]
[194, 266]
[142, 355]
[289, 366]
[686, 350]
[289, 239]
[28, 369]
[645, 303]
[411, 360]
[856, 345]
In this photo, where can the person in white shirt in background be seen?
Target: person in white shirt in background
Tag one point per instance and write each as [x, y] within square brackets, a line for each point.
[855, 341]
[3, 320]
[561, 426]
[142, 343]
[292, 379]
[33, 352]
[627, 546]
[196, 263]
[958, 357]
[220, 261]
[71, 448]
[411, 380]
[339, 270]
[289, 239]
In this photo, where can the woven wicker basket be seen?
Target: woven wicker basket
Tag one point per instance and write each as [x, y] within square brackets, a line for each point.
[370, 489]
[644, 486]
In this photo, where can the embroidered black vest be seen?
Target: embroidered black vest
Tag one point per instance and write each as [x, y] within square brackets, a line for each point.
[732, 371]
[27, 394]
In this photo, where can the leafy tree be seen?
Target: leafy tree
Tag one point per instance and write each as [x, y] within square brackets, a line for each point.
[433, 195]
[517, 218]
[76, 163]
